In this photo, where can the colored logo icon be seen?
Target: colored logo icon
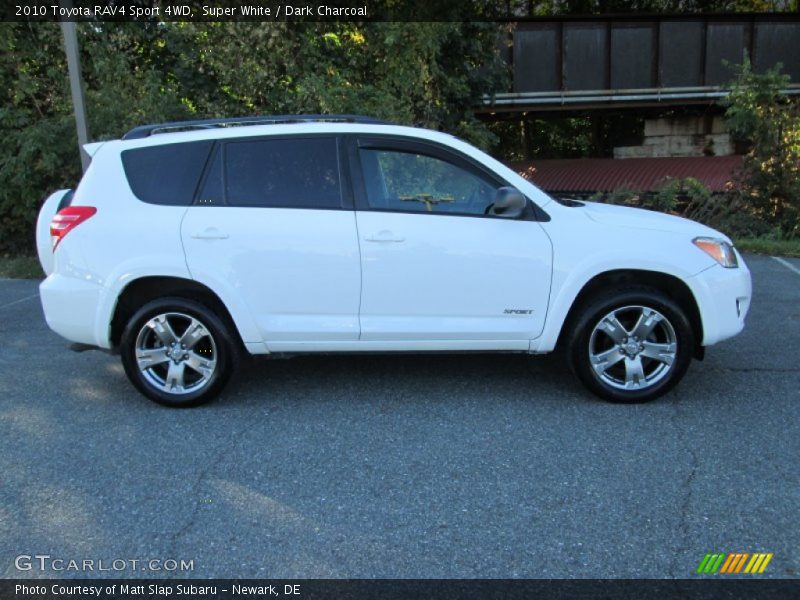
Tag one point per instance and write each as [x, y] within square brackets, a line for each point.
[734, 562]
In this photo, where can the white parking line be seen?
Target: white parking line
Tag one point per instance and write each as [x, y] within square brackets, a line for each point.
[787, 264]
[20, 300]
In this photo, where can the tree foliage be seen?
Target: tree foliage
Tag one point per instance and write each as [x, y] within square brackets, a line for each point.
[769, 122]
[691, 199]
[428, 74]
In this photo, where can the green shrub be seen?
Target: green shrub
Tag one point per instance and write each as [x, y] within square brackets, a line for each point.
[665, 199]
[768, 121]
[691, 199]
[623, 195]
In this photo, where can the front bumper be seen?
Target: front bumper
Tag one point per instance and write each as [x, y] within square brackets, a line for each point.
[723, 298]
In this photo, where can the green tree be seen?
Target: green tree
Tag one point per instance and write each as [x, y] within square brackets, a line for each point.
[769, 122]
[36, 128]
[428, 74]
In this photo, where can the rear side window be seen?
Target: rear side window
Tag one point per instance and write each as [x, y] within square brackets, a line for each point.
[283, 173]
[166, 174]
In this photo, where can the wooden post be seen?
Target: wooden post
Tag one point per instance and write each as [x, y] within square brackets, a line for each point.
[76, 87]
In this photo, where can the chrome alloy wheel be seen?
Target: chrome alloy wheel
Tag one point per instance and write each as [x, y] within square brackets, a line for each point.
[176, 353]
[632, 348]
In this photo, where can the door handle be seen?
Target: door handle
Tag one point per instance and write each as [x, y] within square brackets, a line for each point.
[384, 236]
[210, 233]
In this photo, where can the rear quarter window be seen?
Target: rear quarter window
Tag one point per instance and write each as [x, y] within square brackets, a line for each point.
[166, 174]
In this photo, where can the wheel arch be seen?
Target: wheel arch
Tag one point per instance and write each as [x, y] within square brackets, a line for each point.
[143, 289]
[674, 287]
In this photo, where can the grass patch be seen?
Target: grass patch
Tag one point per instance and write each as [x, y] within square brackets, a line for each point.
[769, 246]
[20, 267]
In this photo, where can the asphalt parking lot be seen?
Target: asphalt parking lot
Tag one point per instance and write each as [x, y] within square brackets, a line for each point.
[486, 466]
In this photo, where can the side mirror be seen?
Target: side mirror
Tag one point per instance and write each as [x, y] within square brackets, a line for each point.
[509, 203]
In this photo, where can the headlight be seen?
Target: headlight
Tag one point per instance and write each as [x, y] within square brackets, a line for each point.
[720, 250]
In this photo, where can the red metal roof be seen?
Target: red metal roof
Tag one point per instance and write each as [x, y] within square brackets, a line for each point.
[639, 174]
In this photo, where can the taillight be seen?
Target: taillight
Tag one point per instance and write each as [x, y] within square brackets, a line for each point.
[68, 219]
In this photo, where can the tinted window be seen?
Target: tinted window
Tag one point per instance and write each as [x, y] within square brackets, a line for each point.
[211, 189]
[290, 173]
[414, 182]
[166, 174]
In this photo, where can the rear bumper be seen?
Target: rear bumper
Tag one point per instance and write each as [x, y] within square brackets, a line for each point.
[71, 307]
[723, 297]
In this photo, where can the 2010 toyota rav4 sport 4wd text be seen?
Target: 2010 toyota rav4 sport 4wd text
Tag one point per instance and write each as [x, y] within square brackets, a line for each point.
[188, 244]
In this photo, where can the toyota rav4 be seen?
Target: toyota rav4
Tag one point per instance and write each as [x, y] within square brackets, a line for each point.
[188, 245]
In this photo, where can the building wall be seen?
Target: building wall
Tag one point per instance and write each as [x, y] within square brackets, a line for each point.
[682, 136]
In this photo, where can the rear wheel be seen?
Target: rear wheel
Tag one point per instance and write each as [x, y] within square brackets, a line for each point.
[631, 345]
[177, 352]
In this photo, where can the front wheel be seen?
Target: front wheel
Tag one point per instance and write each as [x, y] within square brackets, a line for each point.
[177, 352]
[631, 345]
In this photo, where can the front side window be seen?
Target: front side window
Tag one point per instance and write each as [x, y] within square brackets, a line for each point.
[283, 173]
[406, 181]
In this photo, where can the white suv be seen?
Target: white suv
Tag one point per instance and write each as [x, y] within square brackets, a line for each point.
[189, 244]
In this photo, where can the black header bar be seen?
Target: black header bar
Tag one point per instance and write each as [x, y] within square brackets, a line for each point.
[255, 10]
[155, 11]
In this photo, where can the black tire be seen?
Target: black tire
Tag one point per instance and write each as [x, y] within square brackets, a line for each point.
[216, 343]
[605, 380]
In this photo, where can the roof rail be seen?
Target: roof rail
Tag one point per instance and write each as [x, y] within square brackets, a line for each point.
[144, 131]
